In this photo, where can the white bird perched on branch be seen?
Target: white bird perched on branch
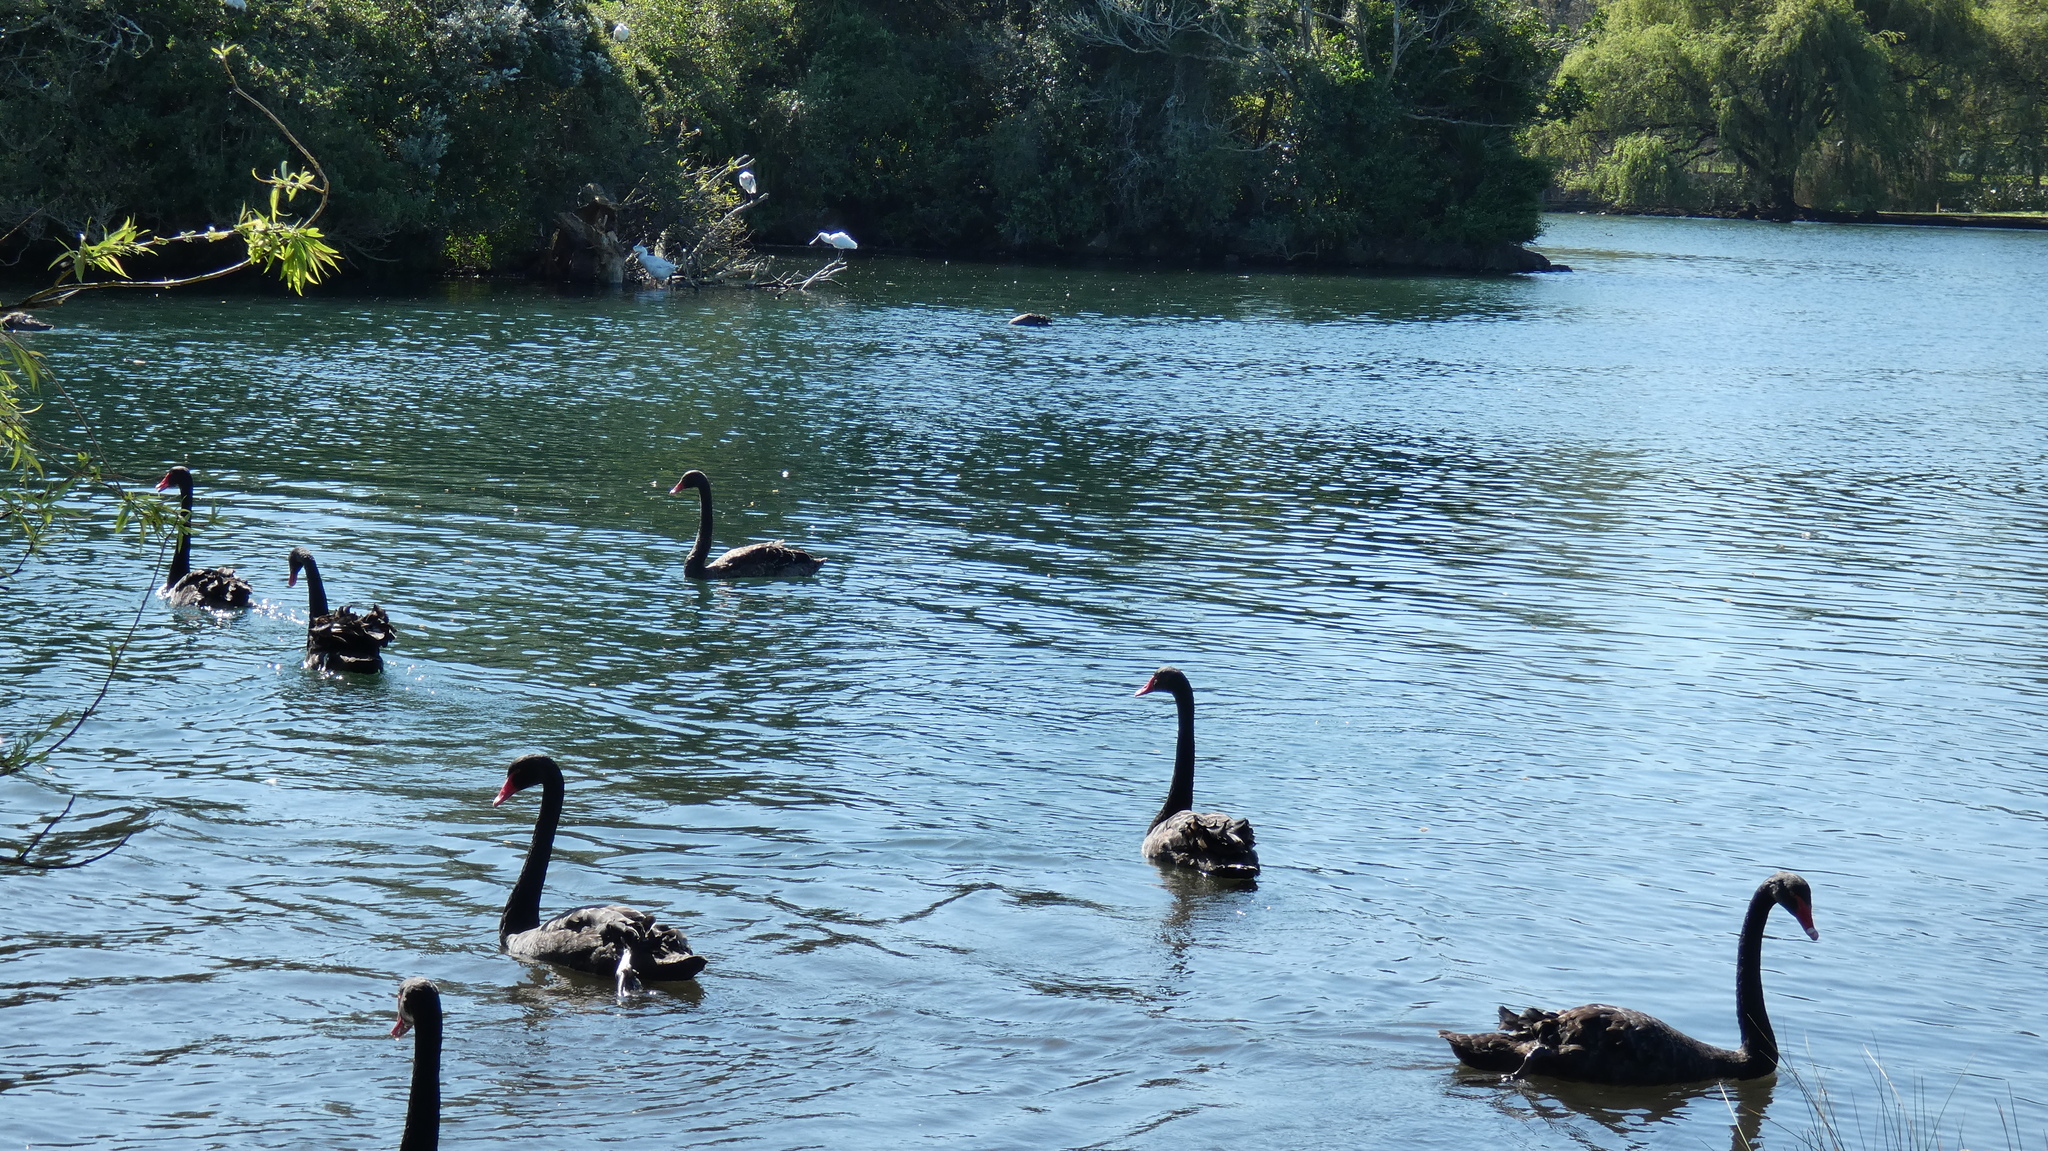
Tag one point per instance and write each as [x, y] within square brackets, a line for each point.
[747, 182]
[838, 240]
[237, 5]
[620, 31]
[657, 267]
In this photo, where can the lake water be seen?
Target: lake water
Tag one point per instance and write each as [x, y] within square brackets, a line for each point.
[1533, 622]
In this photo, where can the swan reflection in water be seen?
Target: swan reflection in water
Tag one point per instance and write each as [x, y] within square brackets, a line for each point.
[1201, 905]
[1629, 1111]
[545, 993]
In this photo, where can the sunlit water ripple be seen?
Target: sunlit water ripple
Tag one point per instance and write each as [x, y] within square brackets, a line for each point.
[1533, 621]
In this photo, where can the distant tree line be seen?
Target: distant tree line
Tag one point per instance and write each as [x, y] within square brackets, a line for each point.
[455, 129]
[1784, 105]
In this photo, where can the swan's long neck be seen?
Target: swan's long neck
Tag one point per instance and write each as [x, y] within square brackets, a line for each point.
[181, 561]
[423, 1106]
[693, 564]
[1759, 1042]
[1181, 795]
[316, 591]
[522, 909]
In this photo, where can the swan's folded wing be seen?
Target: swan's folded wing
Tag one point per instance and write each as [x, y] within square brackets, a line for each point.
[342, 630]
[214, 587]
[586, 938]
[376, 626]
[766, 559]
[1530, 1023]
[1208, 841]
[591, 939]
[666, 955]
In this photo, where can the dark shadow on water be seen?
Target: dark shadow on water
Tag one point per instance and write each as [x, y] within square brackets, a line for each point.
[1197, 900]
[547, 991]
[1628, 1111]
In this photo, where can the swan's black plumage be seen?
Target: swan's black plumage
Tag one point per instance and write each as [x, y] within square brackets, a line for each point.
[1210, 842]
[217, 588]
[341, 639]
[754, 561]
[419, 1010]
[1602, 1044]
[603, 939]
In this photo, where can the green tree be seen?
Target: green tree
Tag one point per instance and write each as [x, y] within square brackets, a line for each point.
[1262, 128]
[436, 116]
[2009, 106]
[1836, 104]
[1758, 82]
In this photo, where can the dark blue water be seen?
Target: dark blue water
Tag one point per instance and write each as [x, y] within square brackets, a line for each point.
[1534, 621]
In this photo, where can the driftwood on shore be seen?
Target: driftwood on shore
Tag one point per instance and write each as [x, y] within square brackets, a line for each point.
[696, 237]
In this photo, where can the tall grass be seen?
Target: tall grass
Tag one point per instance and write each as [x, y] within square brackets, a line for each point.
[1901, 1118]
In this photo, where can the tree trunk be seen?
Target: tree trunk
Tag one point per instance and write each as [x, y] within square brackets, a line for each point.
[1778, 203]
[585, 244]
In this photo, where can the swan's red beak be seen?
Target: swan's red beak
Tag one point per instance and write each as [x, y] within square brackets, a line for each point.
[505, 792]
[399, 1028]
[1149, 685]
[164, 482]
[292, 580]
[677, 488]
[1804, 914]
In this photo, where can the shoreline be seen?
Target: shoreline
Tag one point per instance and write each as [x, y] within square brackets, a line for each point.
[2023, 221]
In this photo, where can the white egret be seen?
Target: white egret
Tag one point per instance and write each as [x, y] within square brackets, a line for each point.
[838, 240]
[747, 182]
[657, 267]
[619, 29]
[237, 5]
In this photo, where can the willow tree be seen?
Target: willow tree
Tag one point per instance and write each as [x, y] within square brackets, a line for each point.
[2007, 108]
[1667, 84]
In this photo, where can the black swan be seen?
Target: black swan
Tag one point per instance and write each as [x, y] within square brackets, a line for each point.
[768, 560]
[208, 587]
[1601, 1044]
[1210, 842]
[419, 1007]
[602, 939]
[339, 640]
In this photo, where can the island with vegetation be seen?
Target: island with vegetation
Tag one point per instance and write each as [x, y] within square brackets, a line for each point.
[1363, 132]
[455, 131]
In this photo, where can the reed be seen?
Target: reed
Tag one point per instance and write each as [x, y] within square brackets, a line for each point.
[1902, 1117]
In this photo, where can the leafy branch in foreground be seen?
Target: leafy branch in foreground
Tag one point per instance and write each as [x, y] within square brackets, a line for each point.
[47, 849]
[32, 499]
[31, 503]
[294, 250]
[62, 851]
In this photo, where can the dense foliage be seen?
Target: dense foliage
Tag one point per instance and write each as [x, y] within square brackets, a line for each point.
[1839, 104]
[466, 117]
[1267, 128]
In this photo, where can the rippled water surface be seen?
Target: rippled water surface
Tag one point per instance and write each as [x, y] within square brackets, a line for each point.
[1533, 622]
